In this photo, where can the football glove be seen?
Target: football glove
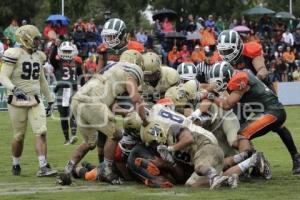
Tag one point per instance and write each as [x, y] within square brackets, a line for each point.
[64, 179]
[165, 154]
[49, 109]
[20, 94]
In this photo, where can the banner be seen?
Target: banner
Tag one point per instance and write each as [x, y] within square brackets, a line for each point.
[289, 93]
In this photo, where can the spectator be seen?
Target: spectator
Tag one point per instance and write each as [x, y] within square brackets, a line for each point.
[198, 55]
[49, 73]
[210, 22]
[208, 37]
[9, 32]
[90, 67]
[91, 26]
[131, 36]
[296, 74]
[297, 39]
[49, 32]
[167, 26]
[200, 24]
[279, 53]
[174, 58]
[233, 24]
[149, 44]
[191, 24]
[185, 54]
[79, 26]
[24, 22]
[265, 25]
[158, 30]
[282, 69]
[181, 26]
[141, 37]
[287, 38]
[289, 58]
[1, 49]
[6, 43]
[220, 26]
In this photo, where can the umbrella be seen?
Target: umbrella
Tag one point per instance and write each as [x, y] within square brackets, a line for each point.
[161, 14]
[58, 19]
[174, 35]
[284, 15]
[243, 29]
[258, 10]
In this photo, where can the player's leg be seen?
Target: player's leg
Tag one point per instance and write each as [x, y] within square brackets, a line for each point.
[73, 126]
[64, 121]
[100, 146]
[37, 120]
[18, 118]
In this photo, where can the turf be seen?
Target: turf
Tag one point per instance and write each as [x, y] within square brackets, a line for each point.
[28, 186]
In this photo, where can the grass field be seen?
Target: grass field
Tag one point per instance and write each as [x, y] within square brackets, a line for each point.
[28, 186]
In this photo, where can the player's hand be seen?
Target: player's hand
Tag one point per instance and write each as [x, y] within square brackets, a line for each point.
[195, 115]
[208, 95]
[165, 154]
[20, 94]
[64, 179]
[49, 109]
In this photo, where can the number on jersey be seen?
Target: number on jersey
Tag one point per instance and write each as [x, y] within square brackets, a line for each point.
[30, 70]
[167, 115]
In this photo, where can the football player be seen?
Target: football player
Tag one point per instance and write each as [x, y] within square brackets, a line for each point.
[23, 75]
[187, 71]
[269, 113]
[90, 106]
[68, 73]
[157, 78]
[114, 42]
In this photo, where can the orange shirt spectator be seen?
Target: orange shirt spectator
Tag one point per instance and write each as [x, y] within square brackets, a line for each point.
[185, 54]
[167, 26]
[49, 32]
[208, 37]
[215, 57]
[173, 56]
[288, 55]
[198, 55]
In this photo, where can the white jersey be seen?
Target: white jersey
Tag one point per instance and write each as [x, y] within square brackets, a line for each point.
[167, 117]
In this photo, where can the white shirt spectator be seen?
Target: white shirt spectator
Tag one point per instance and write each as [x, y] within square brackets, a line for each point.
[1, 49]
[288, 38]
[141, 37]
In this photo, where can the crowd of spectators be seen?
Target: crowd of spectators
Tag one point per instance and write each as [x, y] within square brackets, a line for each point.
[194, 41]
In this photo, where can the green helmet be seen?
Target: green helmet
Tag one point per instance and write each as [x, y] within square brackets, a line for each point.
[219, 75]
[187, 71]
[113, 32]
[153, 132]
[230, 46]
[152, 68]
[28, 36]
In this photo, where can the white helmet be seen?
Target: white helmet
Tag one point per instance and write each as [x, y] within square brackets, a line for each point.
[67, 51]
[113, 32]
[187, 71]
[126, 143]
[230, 46]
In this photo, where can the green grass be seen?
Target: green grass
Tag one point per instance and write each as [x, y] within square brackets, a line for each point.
[28, 186]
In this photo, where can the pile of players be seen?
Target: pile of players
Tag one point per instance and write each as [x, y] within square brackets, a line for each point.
[171, 129]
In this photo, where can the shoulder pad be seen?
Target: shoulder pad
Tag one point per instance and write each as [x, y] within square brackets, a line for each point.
[11, 55]
[136, 46]
[42, 56]
[252, 49]
[170, 75]
[239, 81]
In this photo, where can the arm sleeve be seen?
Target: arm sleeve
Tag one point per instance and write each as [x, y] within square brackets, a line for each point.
[45, 87]
[52, 58]
[6, 72]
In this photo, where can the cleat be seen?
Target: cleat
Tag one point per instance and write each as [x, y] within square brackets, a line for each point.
[16, 170]
[46, 171]
[148, 165]
[296, 164]
[73, 139]
[267, 173]
[67, 142]
[233, 181]
[106, 174]
[218, 181]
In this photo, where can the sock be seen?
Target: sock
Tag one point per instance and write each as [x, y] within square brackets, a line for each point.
[108, 162]
[246, 164]
[287, 139]
[70, 166]
[42, 161]
[66, 134]
[16, 160]
[210, 173]
[73, 131]
[100, 158]
[240, 157]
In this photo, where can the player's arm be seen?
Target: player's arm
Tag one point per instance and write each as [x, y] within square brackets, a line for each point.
[233, 98]
[132, 89]
[185, 138]
[260, 67]
[6, 72]
[53, 57]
